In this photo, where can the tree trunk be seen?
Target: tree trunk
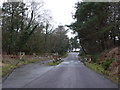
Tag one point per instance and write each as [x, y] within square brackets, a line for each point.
[83, 48]
[102, 44]
[114, 41]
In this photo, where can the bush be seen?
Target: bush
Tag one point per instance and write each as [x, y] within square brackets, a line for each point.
[107, 63]
[95, 57]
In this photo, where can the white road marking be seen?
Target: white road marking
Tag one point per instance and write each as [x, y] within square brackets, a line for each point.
[65, 62]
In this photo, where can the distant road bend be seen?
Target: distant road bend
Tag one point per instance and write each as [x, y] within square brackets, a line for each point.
[69, 74]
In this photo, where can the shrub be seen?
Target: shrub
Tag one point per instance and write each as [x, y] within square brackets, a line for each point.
[107, 63]
[95, 57]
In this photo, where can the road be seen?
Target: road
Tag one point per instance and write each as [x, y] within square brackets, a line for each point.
[69, 74]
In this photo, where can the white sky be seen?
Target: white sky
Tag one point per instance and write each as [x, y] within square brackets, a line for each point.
[60, 10]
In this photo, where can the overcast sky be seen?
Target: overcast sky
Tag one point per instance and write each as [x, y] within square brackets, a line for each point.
[60, 10]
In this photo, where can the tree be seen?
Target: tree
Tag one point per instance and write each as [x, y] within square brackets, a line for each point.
[12, 23]
[74, 43]
[60, 40]
[28, 28]
[94, 23]
[19, 22]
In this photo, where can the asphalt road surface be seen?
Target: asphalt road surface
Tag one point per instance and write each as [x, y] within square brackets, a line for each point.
[69, 74]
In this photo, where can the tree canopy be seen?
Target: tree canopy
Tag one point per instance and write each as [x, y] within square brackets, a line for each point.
[28, 28]
[97, 25]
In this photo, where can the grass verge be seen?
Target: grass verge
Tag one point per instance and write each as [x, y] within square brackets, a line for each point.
[12, 64]
[99, 69]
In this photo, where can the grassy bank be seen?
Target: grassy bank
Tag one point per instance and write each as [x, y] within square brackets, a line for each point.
[10, 64]
[99, 69]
